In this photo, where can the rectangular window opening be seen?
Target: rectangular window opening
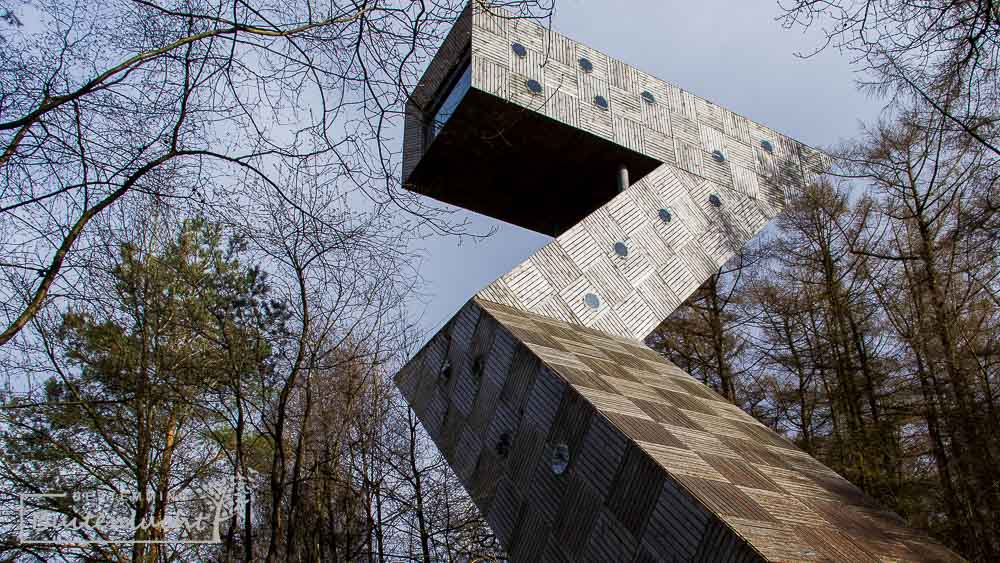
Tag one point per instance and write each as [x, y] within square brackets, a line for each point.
[450, 100]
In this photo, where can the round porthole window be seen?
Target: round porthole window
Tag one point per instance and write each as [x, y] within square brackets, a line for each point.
[503, 445]
[715, 200]
[560, 459]
[445, 371]
[665, 215]
[519, 50]
[586, 65]
[718, 156]
[534, 86]
[648, 97]
[592, 301]
[621, 249]
[767, 146]
[601, 101]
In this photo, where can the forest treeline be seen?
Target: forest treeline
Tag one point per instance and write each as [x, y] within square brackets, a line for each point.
[192, 369]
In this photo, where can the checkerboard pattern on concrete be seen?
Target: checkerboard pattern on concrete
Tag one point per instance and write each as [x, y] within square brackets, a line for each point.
[664, 260]
[643, 112]
[660, 467]
[676, 127]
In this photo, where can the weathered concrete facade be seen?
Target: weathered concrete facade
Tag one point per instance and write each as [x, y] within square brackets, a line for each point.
[575, 440]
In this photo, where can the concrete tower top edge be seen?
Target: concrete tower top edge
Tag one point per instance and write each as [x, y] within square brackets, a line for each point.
[530, 29]
[524, 113]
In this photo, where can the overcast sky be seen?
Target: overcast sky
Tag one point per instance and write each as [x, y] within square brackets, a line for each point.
[732, 52]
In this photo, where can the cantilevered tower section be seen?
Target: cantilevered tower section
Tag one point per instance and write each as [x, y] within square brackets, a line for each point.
[576, 440]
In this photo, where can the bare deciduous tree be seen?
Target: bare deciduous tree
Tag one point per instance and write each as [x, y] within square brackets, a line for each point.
[941, 54]
[186, 99]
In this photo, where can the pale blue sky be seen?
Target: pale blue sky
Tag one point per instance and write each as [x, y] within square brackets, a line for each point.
[732, 52]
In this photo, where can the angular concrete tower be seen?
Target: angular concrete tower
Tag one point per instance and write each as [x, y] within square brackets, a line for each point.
[575, 440]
